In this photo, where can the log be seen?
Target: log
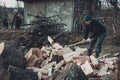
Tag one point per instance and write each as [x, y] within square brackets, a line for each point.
[21, 74]
[50, 40]
[11, 55]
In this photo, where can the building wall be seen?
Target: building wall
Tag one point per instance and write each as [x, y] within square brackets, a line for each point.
[34, 8]
[62, 10]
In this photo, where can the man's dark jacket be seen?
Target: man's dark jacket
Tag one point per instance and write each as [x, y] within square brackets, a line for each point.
[95, 28]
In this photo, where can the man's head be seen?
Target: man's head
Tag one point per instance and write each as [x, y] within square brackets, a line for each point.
[87, 19]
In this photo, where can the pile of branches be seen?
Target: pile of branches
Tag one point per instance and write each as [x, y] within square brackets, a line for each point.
[40, 29]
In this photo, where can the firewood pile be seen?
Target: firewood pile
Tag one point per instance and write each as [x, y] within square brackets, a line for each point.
[40, 28]
[55, 62]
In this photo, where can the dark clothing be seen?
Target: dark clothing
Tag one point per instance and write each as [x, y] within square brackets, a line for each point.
[99, 40]
[98, 35]
[17, 21]
[95, 28]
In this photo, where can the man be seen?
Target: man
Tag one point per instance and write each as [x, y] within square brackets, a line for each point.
[98, 34]
[17, 20]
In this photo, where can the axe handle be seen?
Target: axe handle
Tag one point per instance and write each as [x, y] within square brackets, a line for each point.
[75, 44]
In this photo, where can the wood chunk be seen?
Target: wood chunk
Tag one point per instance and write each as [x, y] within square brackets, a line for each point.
[43, 49]
[51, 56]
[80, 50]
[94, 60]
[50, 40]
[57, 46]
[32, 60]
[81, 59]
[50, 65]
[1, 47]
[32, 56]
[59, 64]
[68, 57]
[103, 70]
[57, 52]
[38, 53]
[86, 67]
[67, 50]
[45, 62]
[28, 54]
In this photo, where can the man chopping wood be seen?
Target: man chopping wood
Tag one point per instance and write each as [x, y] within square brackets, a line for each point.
[98, 34]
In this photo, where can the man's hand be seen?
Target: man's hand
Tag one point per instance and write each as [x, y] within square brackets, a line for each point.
[88, 40]
[83, 41]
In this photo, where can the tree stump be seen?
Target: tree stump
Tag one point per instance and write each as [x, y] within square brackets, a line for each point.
[22, 74]
[71, 72]
[11, 55]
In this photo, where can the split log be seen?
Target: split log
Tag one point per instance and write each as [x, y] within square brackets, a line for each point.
[59, 64]
[87, 69]
[80, 50]
[68, 57]
[55, 45]
[32, 56]
[71, 72]
[57, 52]
[43, 49]
[50, 65]
[94, 60]
[67, 50]
[44, 62]
[103, 70]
